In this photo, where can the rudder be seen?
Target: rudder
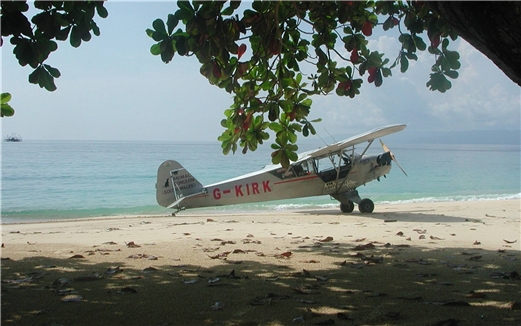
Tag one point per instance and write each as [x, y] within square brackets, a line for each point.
[174, 182]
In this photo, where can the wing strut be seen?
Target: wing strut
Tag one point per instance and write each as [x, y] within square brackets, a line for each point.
[338, 186]
[353, 163]
[365, 150]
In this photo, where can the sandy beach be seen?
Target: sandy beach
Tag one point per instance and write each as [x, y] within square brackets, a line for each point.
[455, 263]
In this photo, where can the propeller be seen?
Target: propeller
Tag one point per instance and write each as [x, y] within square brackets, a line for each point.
[386, 149]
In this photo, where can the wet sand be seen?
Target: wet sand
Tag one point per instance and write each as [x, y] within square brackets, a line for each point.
[454, 263]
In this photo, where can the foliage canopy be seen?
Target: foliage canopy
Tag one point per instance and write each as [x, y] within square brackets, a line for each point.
[57, 21]
[296, 50]
[273, 57]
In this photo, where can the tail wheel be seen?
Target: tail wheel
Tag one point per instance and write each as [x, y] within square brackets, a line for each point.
[348, 207]
[366, 206]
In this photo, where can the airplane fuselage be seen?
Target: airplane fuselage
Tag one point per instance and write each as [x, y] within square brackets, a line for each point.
[275, 182]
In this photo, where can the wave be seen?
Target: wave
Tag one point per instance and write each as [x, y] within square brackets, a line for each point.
[40, 215]
[454, 198]
[17, 216]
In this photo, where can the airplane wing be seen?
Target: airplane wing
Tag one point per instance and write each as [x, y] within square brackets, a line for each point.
[358, 139]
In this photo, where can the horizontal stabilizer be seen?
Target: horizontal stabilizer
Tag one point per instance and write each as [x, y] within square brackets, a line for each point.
[176, 203]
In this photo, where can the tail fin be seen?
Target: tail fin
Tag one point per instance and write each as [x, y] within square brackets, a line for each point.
[174, 182]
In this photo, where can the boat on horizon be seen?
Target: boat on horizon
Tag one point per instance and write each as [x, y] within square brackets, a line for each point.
[13, 138]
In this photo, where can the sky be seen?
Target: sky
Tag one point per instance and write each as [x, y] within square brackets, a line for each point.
[112, 88]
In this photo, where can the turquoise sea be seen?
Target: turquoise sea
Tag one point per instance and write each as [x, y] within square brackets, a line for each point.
[49, 180]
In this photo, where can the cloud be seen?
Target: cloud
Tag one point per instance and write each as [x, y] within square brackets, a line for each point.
[482, 97]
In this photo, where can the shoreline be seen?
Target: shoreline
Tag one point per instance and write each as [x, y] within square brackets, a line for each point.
[453, 263]
[231, 212]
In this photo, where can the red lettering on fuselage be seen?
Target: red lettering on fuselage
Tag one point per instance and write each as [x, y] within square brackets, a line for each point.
[266, 186]
[217, 193]
[247, 189]
[238, 191]
[255, 188]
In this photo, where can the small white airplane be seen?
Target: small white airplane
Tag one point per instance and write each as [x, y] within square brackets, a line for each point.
[334, 170]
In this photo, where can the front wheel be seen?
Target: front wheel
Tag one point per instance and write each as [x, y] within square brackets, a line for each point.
[366, 206]
[348, 207]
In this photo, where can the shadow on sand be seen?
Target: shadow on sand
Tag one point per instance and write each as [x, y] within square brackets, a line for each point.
[368, 283]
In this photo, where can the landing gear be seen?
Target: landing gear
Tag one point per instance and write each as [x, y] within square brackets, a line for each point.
[366, 206]
[347, 207]
[348, 199]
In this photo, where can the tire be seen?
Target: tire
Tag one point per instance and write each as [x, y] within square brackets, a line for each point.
[366, 206]
[348, 207]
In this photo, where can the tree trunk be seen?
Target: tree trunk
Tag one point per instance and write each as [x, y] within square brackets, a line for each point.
[493, 28]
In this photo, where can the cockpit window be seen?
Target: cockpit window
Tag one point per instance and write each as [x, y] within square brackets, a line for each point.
[346, 159]
[295, 170]
[302, 168]
[329, 168]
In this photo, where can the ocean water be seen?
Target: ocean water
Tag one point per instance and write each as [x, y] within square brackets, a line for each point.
[49, 180]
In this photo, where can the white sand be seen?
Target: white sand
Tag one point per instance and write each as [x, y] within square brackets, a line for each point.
[399, 265]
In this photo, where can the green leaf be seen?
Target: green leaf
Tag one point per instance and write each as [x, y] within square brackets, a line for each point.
[228, 11]
[85, 35]
[156, 49]
[185, 11]
[75, 38]
[185, 5]
[379, 79]
[445, 43]
[7, 110]
[181, 46]
[276, 156]
[53, 71]
[34, 77]
[171, 23]
[63, 34]
[411, 56]
[287, 82]
[275, 126]
[284, 159]
[452, 58]
[455, 64]
[307, 102]
[292, 155]
[167, 51]
[286, 105]
[404, 63]
[102, 11]
[95, 29]
[159, 26]
[5, 97]
[386, 72]
[420, 44]
[438, 82]
[322, 58]
[452, 74]
[388, 23]
[156, 36]
[47, 81]
[292, 137]
[305, 131]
